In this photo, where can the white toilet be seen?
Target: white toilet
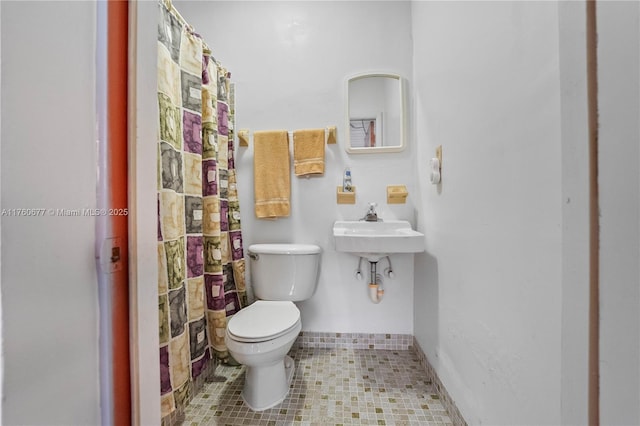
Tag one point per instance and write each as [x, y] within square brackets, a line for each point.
[260, 335]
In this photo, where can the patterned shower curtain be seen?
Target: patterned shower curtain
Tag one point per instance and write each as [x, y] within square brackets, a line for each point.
[200, 255]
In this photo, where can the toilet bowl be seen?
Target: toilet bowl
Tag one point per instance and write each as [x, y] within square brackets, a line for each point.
[260, 335]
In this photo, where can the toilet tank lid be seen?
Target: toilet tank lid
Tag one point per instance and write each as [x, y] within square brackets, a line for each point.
[284, 248]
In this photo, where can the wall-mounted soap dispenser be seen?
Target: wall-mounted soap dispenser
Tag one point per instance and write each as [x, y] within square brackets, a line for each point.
[346, 194]
[347, 185]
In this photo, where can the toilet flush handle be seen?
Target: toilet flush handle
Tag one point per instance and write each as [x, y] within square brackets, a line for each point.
[254, 256]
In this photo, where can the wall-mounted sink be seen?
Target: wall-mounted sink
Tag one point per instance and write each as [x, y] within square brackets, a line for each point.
[375, 240]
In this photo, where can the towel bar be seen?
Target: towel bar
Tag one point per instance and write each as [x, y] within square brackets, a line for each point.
[330, 136]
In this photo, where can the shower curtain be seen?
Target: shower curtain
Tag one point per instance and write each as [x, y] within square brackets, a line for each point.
[200, 255]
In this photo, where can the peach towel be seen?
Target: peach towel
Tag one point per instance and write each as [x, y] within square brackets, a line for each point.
[271, 173]
[308, 152]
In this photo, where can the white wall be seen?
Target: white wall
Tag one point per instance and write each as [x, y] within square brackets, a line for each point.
[48, 156]
[1, 316]
[289, 61]
[619, 110]
[575, 213]
[143, 208]
[488, 289]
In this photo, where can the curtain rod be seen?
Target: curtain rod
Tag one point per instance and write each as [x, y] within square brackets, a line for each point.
[183, 21]
[172, 8]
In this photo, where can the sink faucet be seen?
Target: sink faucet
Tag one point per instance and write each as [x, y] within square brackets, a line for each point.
[371, 215]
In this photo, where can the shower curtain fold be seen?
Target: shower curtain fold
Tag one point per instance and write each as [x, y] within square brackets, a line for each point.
[200, 254]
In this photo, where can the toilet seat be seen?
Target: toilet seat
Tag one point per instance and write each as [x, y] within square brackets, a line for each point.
[263, 320]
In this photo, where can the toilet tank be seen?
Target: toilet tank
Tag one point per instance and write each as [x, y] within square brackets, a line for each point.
[284, 271]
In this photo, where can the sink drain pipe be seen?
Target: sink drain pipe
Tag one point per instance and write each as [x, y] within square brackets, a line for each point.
[375, 287]
[375, 280]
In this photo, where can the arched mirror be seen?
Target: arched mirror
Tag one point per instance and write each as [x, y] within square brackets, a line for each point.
[375, 114]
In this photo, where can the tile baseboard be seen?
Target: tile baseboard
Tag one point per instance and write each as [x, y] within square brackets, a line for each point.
[447, 401]
[312, 339]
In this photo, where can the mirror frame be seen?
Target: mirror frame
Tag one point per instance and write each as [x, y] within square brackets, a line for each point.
[379, 149]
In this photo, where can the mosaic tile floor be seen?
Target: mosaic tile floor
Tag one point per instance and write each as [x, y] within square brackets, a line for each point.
[330, 387]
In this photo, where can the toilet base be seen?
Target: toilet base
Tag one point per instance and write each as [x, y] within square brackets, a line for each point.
[267, 386]
[289, 368]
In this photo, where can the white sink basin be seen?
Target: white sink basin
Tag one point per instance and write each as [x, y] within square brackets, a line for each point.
[375, 240]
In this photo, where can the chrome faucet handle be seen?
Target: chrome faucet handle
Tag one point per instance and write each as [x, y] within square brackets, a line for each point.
[371, 215]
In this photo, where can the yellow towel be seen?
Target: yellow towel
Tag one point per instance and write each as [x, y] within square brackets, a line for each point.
[271, 173]
[308, 152]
